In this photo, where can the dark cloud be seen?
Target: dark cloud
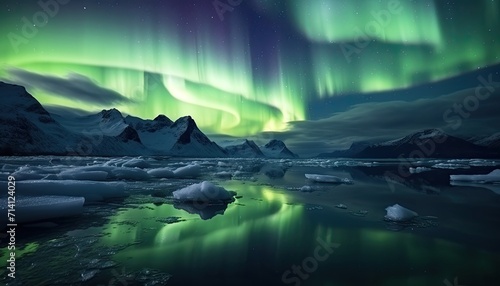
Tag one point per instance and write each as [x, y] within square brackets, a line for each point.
[65, 111]
[390, 120]
[75, 86]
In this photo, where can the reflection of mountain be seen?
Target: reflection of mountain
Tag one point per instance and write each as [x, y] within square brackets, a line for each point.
[429, 182]
[28, 129]
[430, 143]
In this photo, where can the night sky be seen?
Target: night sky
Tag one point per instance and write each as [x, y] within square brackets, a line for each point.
[318, 74]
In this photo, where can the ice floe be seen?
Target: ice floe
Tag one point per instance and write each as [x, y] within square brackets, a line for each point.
[91, 191]
[492, 177]
[136, 163]
[189, 171]
[450, 166]
[30, 209]
[418, 170]
[327, 179]
[399, 213]
[204, 192]
[161, 173]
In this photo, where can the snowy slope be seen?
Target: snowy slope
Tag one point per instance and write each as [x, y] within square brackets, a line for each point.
[277, 149]
[107, 122]
[160, 136]
[191, 142]
[28, 129]
[492, 141]
[430, 143]
[435, 144]
[243, 149]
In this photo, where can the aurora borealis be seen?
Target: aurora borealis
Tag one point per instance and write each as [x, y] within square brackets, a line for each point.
[261, 65]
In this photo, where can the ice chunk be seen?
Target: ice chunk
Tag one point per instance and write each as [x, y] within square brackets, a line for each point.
[306, 189]
[30, 209]
[189, 171]
[492, 177]
[161, 173]
[419, 170]
[450, 166]
[91, 191]
[480, 163]
[327, 179]
[81, 174]
[136, 163]
[130, 174]
[203, 192]
[29, 173]
[399, 213]
[224, 174]
[341, 206]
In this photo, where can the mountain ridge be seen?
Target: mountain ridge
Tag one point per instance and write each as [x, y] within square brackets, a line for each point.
[29, 129]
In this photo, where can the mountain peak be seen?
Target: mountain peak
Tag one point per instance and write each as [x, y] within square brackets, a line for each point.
[274, 143]
[277, 149]
[163, 118]
[185, 122]
[111, 113]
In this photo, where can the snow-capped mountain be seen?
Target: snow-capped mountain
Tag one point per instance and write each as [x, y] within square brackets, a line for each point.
[243, 149]
[143, 125]
[160, 136]
[107, 122]
[492, 141]
[189, 141]
[431, 143]
[277, 149]
[28, 129]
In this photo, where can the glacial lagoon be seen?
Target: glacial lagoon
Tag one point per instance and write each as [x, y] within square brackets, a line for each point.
[274, 233]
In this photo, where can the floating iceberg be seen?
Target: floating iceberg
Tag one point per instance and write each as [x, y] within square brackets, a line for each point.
[327, 179]
[125, 173]
[399, 213]
[91, 191]
[224, 175]
[161, 173]
[84, 175]
[136, 163]
[450, 166]
[493, 177]
[418, 170]
[204, 192]
[189, 171]
[30, 209]
[306, 189]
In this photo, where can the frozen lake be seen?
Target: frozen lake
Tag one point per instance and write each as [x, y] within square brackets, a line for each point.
[281, 228]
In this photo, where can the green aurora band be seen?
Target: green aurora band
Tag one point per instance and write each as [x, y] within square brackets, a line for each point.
[208, 68]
